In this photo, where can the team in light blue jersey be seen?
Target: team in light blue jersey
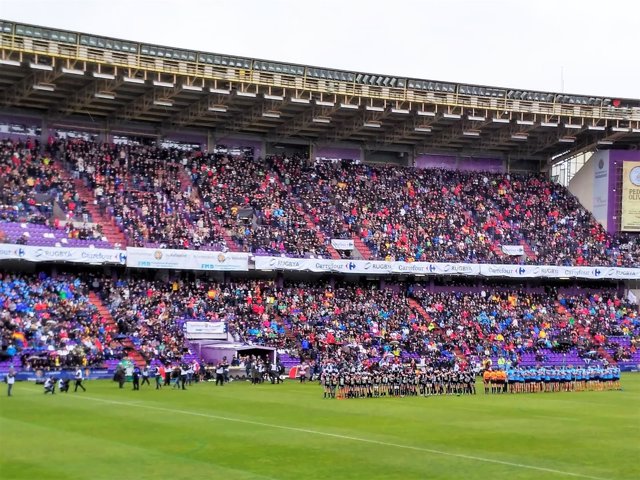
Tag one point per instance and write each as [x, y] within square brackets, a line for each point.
[562, 379]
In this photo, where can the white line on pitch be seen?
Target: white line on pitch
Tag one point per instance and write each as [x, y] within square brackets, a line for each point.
[346, 437]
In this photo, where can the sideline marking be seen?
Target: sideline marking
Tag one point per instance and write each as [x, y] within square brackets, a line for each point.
[346, 437]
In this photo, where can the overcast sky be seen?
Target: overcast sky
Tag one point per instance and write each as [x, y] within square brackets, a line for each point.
[582, 47]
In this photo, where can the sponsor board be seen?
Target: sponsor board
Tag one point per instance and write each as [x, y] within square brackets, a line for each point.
[94, 256]
[173, 259]
[206, 330]
[514, 250]
[237, 261]
[440, 268]
[630, 197]
[341, 244]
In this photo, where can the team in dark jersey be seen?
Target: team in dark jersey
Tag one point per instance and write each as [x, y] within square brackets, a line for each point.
[397, 382]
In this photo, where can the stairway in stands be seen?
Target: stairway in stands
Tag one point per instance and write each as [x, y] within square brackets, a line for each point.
[108, 224]
[231, 243]
[109, 228]
[528, 251]
[186, 182]
[362, 248]
[496, 248]
[111, 326]
[333, 253]
[604, 354]
[459, 355]
[415, 305]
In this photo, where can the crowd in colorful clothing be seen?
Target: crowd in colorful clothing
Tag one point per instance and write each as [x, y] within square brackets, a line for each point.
[279, 205]
[48, 322]
[49, 319]
[33, 190]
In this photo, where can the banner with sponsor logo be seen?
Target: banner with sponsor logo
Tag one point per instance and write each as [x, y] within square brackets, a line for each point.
[237, 261]
[630, 197]
[93, 256]
[364, 267]
[341, 244]
[187, 259]
[513, 250]
[206, 330]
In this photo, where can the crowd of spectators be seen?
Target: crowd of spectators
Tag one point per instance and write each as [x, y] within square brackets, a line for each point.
[48, 322]
[293, 206]
[27, 183]
[508, 323]
[413, 214]
[367, 323]
[142, 187]
[242, 187]
[33, 191]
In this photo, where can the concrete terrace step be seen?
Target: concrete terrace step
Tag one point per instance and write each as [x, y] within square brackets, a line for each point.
[362, 248]
[111, 231]
[528, 251]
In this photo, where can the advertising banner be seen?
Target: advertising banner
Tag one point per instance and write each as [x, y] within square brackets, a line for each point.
[340, 244]
[206, 330]
[187, 259]
[514, 250]
[364, 267]
[630, 197]
[92, 256]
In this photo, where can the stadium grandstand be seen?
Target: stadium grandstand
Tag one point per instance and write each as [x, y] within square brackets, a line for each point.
[187, 216]
[137, 156]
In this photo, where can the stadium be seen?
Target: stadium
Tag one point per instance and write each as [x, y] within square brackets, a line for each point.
[213, 264]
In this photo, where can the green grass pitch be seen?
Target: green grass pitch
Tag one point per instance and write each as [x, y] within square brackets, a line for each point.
[289, 431]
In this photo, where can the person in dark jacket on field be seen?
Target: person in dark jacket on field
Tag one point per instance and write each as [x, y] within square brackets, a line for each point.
[136, 378]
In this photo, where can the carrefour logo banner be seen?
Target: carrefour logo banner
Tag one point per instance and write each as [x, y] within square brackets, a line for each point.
[94, 256]
[187, 259]
[440, 268]
[365, 266]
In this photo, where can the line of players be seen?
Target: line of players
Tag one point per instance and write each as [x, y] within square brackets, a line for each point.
[551, 379]
[347, 384]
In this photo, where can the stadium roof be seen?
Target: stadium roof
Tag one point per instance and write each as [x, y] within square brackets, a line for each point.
[68, 75]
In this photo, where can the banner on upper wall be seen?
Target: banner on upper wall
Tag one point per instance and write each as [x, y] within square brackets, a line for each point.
[630, 197]
[514, 250]
[172, 259]
[92, 256]
[341, 244]
[206, 330]
[364, 267]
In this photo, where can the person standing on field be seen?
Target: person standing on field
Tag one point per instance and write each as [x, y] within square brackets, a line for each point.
[145, 375]
[136, 378]
[11, 380]
[220, 374]
[79, 377]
